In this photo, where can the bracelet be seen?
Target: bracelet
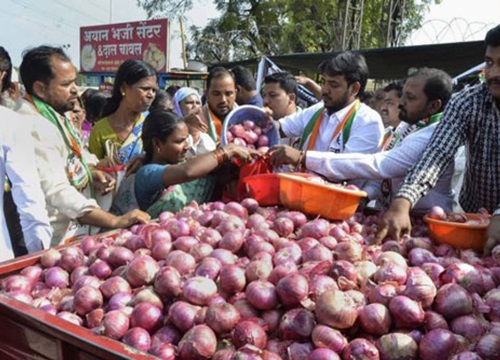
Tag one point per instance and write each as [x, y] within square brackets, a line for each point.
[220, 155]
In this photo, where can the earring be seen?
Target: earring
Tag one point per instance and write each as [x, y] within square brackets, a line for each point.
[123, 93]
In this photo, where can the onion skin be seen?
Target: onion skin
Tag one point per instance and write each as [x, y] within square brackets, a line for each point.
[262, 295]
[199, 290]
[323, 354]
[297, 325]
[141, 271]
[437, 344]
[375, 319]
[336, 309]
[114, 285]
[488, 347]
[115, 324]
[452, 301]
[397, 346]
[360, 349]
[87, 299]
[138, 338]
[147, 316]
[292, 289]
[222, 318]
[406, 312]
[249, 332]
[327, 337]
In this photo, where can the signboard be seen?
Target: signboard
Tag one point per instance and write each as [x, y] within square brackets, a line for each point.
[104, 47]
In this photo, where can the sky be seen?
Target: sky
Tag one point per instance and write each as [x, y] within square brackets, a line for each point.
[57, 22]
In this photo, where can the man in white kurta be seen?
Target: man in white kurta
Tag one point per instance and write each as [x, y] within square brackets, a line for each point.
[17, 161]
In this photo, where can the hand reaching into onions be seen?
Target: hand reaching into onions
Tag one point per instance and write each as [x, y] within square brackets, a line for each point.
[396, 221]
[493, 235]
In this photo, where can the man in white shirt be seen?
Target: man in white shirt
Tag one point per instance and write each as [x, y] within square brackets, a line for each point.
[50, 81]
[17, 161]
[425, 94]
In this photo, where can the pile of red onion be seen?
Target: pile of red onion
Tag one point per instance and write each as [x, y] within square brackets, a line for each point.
[250, 135]
[238, 281]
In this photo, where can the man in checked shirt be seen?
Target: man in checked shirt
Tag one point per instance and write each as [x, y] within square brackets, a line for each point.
[472, 118]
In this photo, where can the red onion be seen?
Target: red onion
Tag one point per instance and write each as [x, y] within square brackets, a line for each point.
[100, 269]
[283, 226]
[281, 271]
[469, 326]
[182, 314]
[232, 241]
[318, 253]
[226, 257]
[338, 233]
[452, 301]
[167, 334]
[135, 242]
[94, 318]
[328, 241]
[181, 261]
[382, 293]
[18, 283]
[56, 277]
[137, 338]
[114, 285]
[437, 212]
[299, 351]
[307, 243]
[360, 349]
[177, 228]
[201, 251]
[249, 332]
[375, 319]
[115, 324]
[390, 273]
[419, 256]
[185, 243]
[261, 246]
[290, 253]
[50, 258]
[141, 271]
[261, 295]
[71, 258]
[236, 209]
[391, 257]
[326, 337]
[406, 312]
[433, 320]
[161, 248]
[232, 279]
[488, 347]
[297, 217]
[147, 294]
[222, 318]
[147, 316]
[79, 272]
[343, 268]
[87, 299]
[211, 237]
[323, 354]
[33, 273]
[230, 224]
[250, 204]
[397, 346]
[209, 267]
[392, 245]
[72, 318]
[199, 290]
[319, 284]
[292, 289]
[88, 243]
[272, 319]
[438, 344]
[336, 309]
[466, 355]
[420, 287]
[255, 220]
[119, 256]
[119, 301]
[168, 282]
[315, 228]
[198, 343]
[349, 251]
[246, 310]
[224, 354]
[258, 270]
[297, 325]
[268, 235]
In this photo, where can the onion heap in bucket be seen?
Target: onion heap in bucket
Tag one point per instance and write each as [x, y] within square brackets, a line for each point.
[250, 135]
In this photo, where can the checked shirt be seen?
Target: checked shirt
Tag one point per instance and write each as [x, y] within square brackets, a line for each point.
[471, 119]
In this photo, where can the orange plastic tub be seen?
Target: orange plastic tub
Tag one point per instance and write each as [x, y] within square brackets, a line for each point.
[461, 235]
[329, 201]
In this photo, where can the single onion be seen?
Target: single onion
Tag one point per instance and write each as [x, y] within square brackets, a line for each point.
[232, 279]
[50, 258]
[488, 347]
[18, 283]
[272, 319]
[147, 294]
[468, 326]
[437, 213]
[222, 318]
[141, 271]
[72, 318]
[261, 295]
[185, 243]
[249, 332]
[100, 269]
[420, 287]
[182, 314]
[390, 273]
[397, 346]
[198, 343]
[433, 320]
[209, 267]
[232, 241]
[250, 204]
[168, 282]
[297, 325]
[33, 273]
[391, 257]
[147, 316]
[167, 334]
[258, 270]
[87, 299]
[283, 226]
[137, 338]
[360, 349]
[115, 324]
[349, 251]
[326, 337]
[406, 312]
[119, 301]
[323, 354]
[199, 290]
[292, 289]
[119, 256]
[315, 228]
[94, 318]
[181, 261]
[438, 344]
[452, 301]
[336, 309]
[375, 319]
[114, 285]
[56, 277]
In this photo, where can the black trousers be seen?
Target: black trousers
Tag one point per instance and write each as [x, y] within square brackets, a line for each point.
[13, 225]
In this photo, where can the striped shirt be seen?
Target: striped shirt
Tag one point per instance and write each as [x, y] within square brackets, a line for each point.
[471, 119]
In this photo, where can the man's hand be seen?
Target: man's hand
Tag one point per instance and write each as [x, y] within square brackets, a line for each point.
[244, 155]
[131, 218]
[134, 165]
[103, 182]
[396, 221]
[283, 155]
[493, 235]
[194, 121]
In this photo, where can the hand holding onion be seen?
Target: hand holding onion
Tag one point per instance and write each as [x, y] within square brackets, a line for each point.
[284, 155]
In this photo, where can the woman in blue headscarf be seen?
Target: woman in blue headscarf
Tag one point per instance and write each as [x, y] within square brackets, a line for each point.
[187, 102]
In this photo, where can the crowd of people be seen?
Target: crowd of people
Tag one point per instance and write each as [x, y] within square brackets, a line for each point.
[400, 146]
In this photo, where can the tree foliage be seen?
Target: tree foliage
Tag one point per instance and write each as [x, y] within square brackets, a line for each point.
[252, 28]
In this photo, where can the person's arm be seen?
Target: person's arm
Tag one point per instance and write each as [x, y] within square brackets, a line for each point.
[202, 165]
[310, 84]
[100, 218]
[27, 194]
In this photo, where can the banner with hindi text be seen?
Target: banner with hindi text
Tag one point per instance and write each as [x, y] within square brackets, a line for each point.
[104, 47]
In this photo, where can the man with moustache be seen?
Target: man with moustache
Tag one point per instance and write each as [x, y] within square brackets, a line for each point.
[50, 81]
[425, 94]
[472, 118]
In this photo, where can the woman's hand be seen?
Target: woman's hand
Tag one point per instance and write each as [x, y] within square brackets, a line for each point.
[242, 154]
[194, 121]
[134, 165]
[284, 155]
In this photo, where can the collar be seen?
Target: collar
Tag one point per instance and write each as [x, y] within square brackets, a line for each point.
[342, 112]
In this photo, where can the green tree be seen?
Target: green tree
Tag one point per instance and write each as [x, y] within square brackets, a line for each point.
[251, 28]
